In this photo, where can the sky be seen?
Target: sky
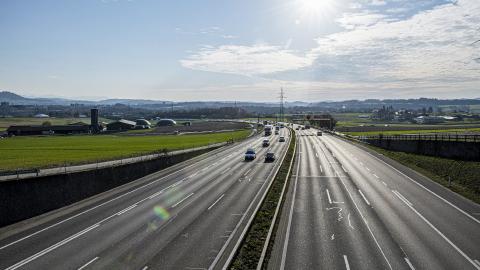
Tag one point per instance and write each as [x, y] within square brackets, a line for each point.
[316, 50]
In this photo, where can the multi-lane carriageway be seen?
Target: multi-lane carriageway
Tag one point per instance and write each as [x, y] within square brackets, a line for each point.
[346, 208]
[189, 216]
[349, 208]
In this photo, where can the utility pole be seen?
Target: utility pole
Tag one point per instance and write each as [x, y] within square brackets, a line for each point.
[282, 97]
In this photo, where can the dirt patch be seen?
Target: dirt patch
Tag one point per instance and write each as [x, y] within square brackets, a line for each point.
[201, 127]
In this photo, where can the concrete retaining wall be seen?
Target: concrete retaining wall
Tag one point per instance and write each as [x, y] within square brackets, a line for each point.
[30, 197]
[446, 149]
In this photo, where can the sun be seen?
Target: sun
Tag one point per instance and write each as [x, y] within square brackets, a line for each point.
[314, 9]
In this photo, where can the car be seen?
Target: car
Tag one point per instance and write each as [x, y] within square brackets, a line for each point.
[270, 157]
[250, 154]
[281, 139]
[303, 128]
[266, 143]
[319, 133]
[298, 128]
[277, 132]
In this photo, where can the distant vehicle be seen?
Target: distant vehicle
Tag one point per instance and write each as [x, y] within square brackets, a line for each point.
[303, 128]
[319, 133]
[268, 130]
[250, 154]
[166, 122]
[298, 128]
[277, 128]
[277, 132]
[270, 157]
[307, 126]
[282, 139]
[266, 143]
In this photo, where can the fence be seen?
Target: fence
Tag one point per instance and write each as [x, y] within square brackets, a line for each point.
[425, 137]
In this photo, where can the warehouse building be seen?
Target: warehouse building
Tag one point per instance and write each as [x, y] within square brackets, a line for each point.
[120, 125]
[47, 129]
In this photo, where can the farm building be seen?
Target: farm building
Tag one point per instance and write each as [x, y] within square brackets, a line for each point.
[121, 124]
[166, 122]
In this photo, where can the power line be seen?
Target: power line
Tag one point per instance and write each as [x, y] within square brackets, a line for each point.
[282, 110]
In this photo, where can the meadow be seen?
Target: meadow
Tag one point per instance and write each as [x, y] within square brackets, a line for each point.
[49, 151]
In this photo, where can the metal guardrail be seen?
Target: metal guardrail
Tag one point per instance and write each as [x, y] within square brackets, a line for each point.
[425, 137]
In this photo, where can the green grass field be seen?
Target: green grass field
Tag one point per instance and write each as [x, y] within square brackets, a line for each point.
[34, 152]
[419, 131]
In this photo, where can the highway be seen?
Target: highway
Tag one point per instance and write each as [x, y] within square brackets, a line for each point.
[188, 216]
[349, 208]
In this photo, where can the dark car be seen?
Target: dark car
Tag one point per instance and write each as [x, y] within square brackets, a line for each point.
[265, 143]
[270, 157]
[250, 154]
[282, 139]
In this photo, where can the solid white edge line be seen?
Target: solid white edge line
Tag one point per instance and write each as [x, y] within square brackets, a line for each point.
[210, 207]
[290, 216]
[182, 200]
[345, 259]
[344, 169]
[328, 195]
[443, 236]
[107, 202]
[376, 176]
[401, 196]
[51, 248]
[363, 196]
[409, 263]
[89, 262]
[222, 250]
[477, 262]
[425, 188]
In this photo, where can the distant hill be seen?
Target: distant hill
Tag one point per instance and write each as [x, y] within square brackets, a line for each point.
[366, 105]
[9, 96]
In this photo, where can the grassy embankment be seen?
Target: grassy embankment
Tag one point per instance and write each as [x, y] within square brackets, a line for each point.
[251, 249]
[464, 175]
[48, 151]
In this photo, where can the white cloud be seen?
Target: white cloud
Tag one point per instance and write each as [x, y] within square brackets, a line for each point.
[432, 45]
[430, 52]
[361, 19]
[245, 60]
[378, 3]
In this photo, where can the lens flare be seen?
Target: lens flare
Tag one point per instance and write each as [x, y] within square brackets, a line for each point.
[161, 212]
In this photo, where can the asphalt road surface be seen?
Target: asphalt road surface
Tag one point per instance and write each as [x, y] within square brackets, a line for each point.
[189, 216]
[348, 208]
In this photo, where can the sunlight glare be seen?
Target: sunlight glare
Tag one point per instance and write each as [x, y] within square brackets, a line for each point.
[314, 9]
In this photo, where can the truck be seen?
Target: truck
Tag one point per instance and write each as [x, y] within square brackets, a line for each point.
[268, 130]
